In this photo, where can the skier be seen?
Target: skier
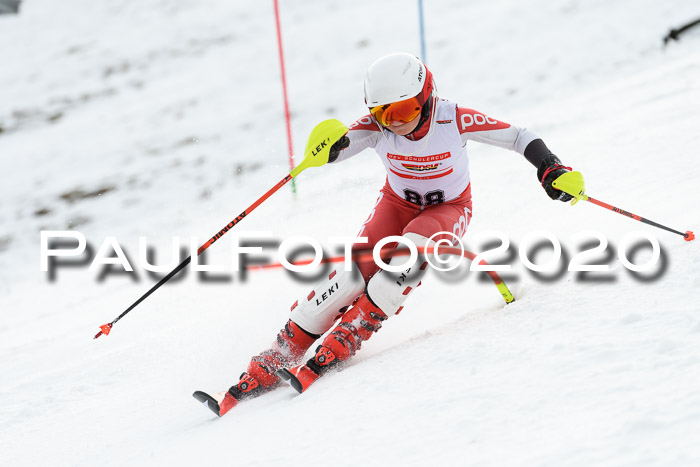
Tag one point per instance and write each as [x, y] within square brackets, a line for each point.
[421, 139]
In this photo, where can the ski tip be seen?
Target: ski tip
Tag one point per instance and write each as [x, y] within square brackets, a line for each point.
[208, 401]
[284, 374]
[288, 377]
[300, 378]
[689, 236]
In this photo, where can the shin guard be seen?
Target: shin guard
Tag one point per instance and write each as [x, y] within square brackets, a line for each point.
[389, 290]
[317, 312]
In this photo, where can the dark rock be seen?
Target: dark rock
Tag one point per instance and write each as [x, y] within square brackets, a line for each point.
[8, 7]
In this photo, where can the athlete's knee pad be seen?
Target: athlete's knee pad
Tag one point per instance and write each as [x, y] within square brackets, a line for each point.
[389, 290]
[329, 299]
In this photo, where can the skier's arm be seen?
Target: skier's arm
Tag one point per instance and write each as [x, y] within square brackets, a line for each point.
[476, 126]
[362, 134]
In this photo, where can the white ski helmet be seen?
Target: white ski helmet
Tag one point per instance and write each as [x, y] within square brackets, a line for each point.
[395, 77]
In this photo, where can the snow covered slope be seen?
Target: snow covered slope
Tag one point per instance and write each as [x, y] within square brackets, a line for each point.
[163, 118]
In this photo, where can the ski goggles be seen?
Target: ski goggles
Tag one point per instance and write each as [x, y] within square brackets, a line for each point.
[402, 111]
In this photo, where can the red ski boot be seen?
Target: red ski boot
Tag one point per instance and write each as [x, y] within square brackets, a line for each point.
[222, 402]
[287, 350]
[357, 325]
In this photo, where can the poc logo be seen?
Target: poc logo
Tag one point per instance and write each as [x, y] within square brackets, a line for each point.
[476, 119]
[460, 227]
[366, 120]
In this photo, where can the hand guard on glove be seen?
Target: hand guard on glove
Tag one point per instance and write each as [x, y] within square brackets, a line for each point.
[549, 170]
[338, 146]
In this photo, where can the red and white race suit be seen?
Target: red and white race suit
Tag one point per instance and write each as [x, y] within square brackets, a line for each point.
[427, 192]
[427, 188]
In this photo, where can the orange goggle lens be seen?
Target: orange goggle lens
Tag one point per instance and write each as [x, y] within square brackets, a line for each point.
[402, 111]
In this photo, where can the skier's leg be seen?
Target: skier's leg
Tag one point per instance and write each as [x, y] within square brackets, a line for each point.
[329, 299]
[383, 297]
[311, 317]
[389, 290]
[315, 314]
[386, 292]
[356, 326]
[388, 218]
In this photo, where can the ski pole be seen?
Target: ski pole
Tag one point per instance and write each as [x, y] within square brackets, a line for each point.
[572, 183]
[316, 154]
[106, 328]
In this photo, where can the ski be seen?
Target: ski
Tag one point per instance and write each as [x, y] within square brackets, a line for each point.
[299, 377]
[208, 401]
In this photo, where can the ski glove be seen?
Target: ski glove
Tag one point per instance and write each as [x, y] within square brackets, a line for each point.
[338, 146]
[549, 170]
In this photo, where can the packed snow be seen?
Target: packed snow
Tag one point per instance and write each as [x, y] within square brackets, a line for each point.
[164, 119]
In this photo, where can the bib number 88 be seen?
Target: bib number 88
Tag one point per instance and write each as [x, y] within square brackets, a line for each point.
[430, 198]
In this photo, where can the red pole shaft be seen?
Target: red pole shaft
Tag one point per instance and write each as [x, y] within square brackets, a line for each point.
[284, 90]
[687, 236]
[613, 208]
[238, 218]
